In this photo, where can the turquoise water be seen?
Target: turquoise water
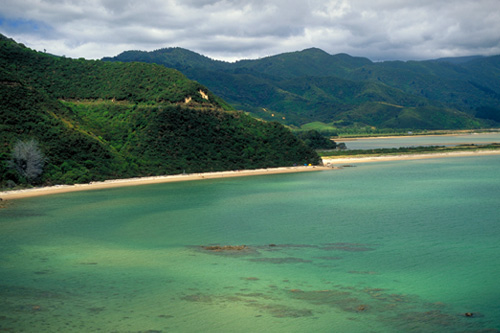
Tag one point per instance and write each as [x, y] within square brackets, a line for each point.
[427, 140]
[406, 246]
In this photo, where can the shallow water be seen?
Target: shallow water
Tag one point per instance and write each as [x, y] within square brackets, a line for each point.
[382, 247]
[426, 140]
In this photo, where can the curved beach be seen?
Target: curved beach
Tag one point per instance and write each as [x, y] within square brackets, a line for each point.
[33, 192]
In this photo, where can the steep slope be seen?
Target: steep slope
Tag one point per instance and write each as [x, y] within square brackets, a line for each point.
[301, 87]
[96, 120]
[455, 85]
[373, 104]
[485, 75]
[300, 100]
[73, 154]
[65, 78]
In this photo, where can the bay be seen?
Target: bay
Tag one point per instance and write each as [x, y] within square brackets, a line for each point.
[381, 247]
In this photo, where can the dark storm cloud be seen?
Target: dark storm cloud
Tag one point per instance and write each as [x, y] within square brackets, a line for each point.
[223, 29]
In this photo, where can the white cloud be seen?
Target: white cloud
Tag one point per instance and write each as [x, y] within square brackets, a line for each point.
[233, 29]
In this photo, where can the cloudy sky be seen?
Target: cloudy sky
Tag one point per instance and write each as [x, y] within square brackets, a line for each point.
[236, 29]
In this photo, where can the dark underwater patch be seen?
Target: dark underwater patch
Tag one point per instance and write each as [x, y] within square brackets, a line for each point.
[286, 260]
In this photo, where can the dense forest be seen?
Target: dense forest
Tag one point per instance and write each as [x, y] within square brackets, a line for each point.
[94, 120]
[312, 89]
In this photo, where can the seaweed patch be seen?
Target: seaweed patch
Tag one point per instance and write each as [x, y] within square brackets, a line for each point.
[286, 260]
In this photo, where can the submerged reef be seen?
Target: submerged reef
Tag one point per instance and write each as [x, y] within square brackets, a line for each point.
[219, 248]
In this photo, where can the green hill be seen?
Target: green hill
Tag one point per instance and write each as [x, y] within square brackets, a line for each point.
[309, 62]
[73, 153]
[459, 86]
[97, 120]
[298, 88]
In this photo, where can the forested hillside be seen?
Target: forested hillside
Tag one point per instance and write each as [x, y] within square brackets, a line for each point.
[340, 91]
[94, 120]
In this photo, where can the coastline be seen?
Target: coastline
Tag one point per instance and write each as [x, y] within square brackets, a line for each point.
[56, 189]
[393, 137]
[330, 164]
[366, 159]
[452, 133]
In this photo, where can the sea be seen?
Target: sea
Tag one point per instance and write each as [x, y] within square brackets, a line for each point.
[396, 246]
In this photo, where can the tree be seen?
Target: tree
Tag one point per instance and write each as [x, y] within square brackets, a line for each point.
[27, 159]
[341, 146]
[315, 140]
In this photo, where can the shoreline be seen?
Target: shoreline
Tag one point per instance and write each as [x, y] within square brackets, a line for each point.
[112, 183]
[330, 164]
[391, 137]
[406, 157]
[458, 133]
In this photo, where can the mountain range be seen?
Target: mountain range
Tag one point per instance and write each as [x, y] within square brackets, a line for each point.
[314, 89]
[95, 120]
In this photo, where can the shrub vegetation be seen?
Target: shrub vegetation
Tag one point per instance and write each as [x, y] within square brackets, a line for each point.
[95, 120]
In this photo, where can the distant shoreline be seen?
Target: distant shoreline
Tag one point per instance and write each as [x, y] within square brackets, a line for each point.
[451, 133]
[332, 162]
[394, 137]
[401, 157]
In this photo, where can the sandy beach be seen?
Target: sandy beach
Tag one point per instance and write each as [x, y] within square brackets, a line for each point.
[330, 164]
[33, 192]
[350, 160]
